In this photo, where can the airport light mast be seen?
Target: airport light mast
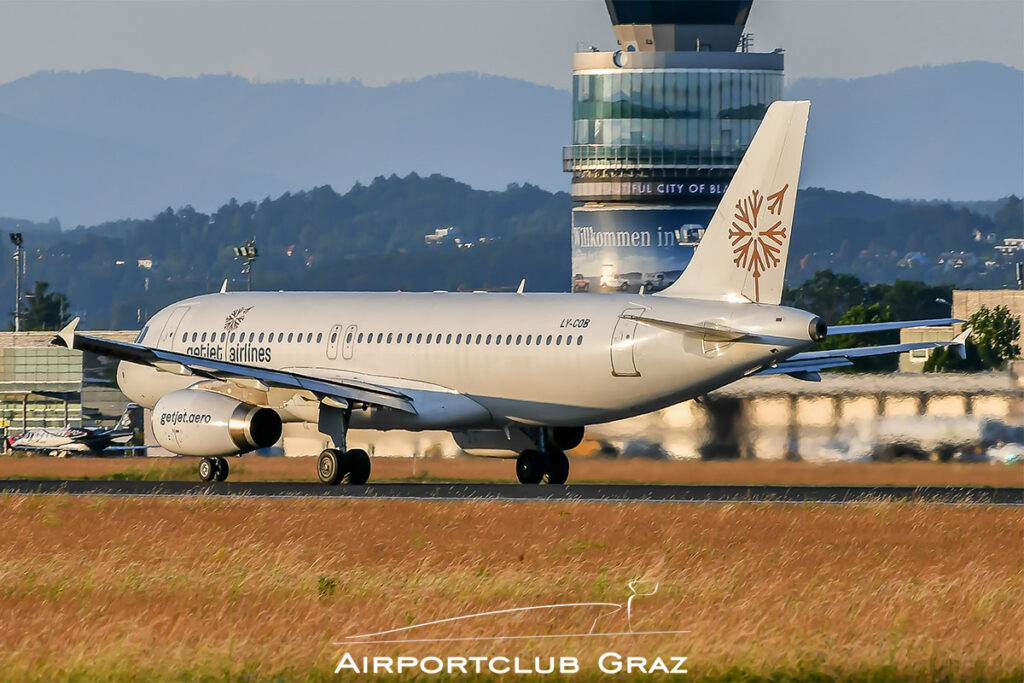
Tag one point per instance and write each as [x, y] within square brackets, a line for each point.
[249, 252]
[19, 259]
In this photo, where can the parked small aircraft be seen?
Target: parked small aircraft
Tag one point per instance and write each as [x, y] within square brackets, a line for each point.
[62, 441]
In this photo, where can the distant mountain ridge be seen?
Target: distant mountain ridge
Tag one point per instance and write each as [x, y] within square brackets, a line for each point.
[100, 145]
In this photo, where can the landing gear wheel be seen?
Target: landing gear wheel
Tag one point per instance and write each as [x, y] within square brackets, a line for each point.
[530, 467]
[557, 467]
[207, 469]
[328, 467]
[356, 466]
[222, 469]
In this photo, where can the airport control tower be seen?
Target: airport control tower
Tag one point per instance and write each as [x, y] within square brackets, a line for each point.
[659, 127]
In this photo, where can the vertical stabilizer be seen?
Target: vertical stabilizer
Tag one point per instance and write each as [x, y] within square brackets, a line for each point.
[743, 252]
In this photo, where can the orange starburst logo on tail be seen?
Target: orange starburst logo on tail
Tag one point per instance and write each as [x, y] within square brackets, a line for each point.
[758, 249]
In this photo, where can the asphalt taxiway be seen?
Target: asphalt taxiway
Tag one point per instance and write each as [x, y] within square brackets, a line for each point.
[608, 493]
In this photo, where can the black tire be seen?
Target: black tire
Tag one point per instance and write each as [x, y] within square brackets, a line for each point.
[530, 467]
[207, 469]
[222, 469]
[557, 467]
[357, 466]
[328, 467]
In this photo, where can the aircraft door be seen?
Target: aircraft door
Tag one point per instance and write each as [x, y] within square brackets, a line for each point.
[332, 342]
[623, 339]
[168, 334]
[349, 343]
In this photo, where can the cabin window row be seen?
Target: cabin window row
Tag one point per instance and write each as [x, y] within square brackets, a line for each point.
[468, 338]
[290, 337]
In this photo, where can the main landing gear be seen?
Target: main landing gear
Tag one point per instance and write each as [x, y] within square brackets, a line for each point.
[548, 462]
[534, 467]
[335, 466]
[213, 469]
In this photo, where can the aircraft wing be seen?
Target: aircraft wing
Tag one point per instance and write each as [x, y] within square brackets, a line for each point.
[808, 364]
[246, 375]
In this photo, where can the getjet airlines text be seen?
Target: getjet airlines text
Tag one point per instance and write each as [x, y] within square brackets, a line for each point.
[232, 354]
[608, 663]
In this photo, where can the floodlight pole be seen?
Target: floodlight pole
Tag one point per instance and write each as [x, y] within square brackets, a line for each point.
[249, 252]
[19, 260]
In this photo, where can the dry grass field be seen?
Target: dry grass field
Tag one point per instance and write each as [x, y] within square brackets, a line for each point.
[250, 589]
[256, 468]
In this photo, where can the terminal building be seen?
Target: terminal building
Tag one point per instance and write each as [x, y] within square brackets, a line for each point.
[659, 127]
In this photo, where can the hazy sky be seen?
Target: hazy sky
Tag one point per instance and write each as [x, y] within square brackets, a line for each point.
[381, 41]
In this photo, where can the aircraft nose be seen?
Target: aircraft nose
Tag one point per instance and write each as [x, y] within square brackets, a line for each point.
[817, 329]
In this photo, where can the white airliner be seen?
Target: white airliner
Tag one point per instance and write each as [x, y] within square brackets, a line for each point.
[62, 441]
[516, 373]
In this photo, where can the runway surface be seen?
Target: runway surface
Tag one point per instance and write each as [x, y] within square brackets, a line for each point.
[517, 492]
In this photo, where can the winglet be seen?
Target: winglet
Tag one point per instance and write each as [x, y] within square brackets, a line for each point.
[66, 337]
[522, 286]
[960, 342]
[224, 287]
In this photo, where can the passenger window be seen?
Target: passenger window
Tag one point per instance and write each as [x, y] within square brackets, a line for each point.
[398, 339]
[261, 338]
[348, 338]
[497, 339]
[203, 338]
[391, 336]
[380, 337]
[478, 338]
[549, 340]
[408, 338]
[579, 340]
[319, 337]
[508, 340]
[419, 338]
[488, 340]
[194, 336]
[334, 337]
[539, 340]
[309, 337]
[232, 337]
[252, 336]
[223, 336]
[437, 339]
[290, 334]
[558, 341]
[280, 337]
[429, 337]
[448, 339]
[519, 339]
[458, 339]
[359, 340]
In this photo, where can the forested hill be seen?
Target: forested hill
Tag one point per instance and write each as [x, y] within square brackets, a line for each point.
[372, 238]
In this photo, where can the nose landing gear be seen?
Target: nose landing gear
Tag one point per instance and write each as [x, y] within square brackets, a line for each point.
[213, 469]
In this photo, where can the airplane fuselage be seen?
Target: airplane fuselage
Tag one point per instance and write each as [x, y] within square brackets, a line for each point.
[474, 360]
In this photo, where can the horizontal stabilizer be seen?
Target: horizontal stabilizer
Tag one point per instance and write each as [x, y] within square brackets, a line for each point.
[885, 327]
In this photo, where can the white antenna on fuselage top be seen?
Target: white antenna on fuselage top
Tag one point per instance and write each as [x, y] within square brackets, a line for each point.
[522, 286]
[224, 286]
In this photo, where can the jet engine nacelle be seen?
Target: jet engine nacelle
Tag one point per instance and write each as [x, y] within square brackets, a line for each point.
[192, 422]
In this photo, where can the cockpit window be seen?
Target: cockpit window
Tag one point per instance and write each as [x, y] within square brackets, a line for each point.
[142, 335]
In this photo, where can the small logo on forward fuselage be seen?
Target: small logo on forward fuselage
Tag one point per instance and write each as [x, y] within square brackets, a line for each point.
[235, 318]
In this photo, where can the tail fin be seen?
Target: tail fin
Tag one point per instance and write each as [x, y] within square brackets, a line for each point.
[743, 252]
[125, 423]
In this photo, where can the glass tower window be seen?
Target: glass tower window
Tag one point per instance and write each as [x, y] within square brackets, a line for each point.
[669, 117]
